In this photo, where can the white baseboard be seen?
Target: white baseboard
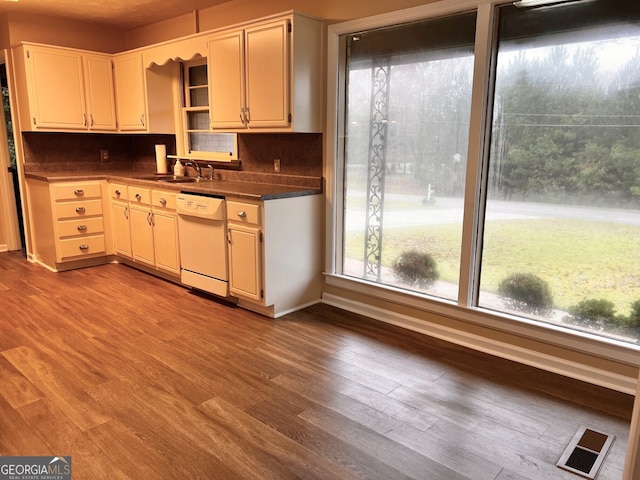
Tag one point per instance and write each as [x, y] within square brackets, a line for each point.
[532, 358]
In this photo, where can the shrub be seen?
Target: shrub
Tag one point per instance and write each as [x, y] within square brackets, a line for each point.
[633, 321]
[415, 268]
[594, 313]
[526, 292]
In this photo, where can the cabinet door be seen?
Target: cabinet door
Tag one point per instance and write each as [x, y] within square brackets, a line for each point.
[226, 80]
[121, 229]
[56, 88]
[267, 75]
[166, 241]
[141, 222]
[245, 262]
[101, 103]
[130, 92]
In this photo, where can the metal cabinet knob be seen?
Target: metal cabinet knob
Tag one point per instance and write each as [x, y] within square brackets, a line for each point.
[118, 193]
[78, 192]
[138, 196]
[84, 246]
[82, 228]
[80, 209]
[242, 213]
[163, 201]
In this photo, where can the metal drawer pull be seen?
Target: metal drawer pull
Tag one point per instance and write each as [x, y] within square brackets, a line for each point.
[82, 228]
[242, 213]
[118, 193]
[163, 201]
[84, 246]
[80, 209]
[78, 192]
[138, 196]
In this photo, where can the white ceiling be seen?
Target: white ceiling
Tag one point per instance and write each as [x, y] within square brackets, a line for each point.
[120, 14]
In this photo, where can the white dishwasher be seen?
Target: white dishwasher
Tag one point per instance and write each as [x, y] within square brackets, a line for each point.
[203, 246]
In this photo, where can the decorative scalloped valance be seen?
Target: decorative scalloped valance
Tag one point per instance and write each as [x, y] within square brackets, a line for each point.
[177, 51]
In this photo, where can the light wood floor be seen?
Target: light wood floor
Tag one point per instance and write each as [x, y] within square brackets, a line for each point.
[137, 378]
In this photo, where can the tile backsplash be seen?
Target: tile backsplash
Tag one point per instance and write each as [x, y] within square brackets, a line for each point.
[300, 154]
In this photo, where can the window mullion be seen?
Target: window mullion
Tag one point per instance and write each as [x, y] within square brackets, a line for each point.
[482, 93]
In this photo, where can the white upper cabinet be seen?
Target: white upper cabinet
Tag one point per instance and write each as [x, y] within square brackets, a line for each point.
[100, 98]
[131, 97]
[64, 89]
[147, 96]
[267, 76]
[226, 80]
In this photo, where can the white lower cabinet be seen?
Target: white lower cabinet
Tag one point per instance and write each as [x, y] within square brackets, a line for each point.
[244, 235]
[120, 216]
[165, 231]
[274, 251]
[69, 230]
[142, 234]
[146, 227]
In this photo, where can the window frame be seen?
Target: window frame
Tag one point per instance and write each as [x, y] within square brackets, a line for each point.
[185, 151]
[465, 308]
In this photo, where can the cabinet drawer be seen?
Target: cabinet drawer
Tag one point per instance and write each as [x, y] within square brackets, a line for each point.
[118, 192]
[74, 247]
[164, 199]
[81, 226]
[85, 208]
[72, 191]
[139, 195]
[245, 213]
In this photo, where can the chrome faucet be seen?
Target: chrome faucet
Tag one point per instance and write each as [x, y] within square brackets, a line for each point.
[196, 167]
[211, 171]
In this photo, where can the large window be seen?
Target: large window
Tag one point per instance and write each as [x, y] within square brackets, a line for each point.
[407, 124]
[562, 222]
[554, 235]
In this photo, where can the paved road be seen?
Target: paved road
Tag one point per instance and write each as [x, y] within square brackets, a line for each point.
[449, 210]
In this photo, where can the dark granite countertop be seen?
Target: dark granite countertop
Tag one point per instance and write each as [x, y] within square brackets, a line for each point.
[223, 187]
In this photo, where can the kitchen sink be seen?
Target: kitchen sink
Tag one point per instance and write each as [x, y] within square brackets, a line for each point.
[169, 178]
[181, 180]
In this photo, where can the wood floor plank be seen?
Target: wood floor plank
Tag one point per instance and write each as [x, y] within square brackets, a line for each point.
[64, 438]
[252, 448]
[174, 430]
[16, 437]
[393, 454]
[127, 372]
[139, 370]
[282, 414]
[133, 454]
[482, 444]
[16, 389]
[70, 398]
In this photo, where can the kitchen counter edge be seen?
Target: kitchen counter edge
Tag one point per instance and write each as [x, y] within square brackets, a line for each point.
[226, 188]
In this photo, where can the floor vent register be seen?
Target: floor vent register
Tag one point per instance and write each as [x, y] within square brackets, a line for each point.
[586, 452]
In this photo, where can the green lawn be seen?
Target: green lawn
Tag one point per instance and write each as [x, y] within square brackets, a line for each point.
[579, 259]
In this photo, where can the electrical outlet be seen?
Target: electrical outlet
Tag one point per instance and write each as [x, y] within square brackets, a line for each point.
[276, 165]
[104, 155]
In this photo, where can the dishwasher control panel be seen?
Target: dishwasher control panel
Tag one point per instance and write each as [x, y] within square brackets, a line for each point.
[200, 206]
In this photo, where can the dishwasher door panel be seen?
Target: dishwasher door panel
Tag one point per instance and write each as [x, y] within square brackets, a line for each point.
[203, 254]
